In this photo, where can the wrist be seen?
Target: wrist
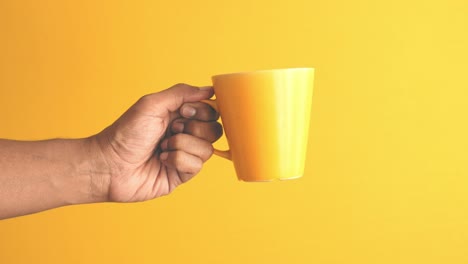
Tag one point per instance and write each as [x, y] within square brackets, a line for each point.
[96, 170]
[71, 171]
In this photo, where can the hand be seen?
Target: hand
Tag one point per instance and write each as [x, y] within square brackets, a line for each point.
[160, 142]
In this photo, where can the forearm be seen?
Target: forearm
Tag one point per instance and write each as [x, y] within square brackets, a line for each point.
[40, 175]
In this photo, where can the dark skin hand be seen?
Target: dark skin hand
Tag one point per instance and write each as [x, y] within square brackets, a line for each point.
[159, 143]
[153, 149]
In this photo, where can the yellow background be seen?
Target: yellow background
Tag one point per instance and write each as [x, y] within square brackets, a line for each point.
[386, 179]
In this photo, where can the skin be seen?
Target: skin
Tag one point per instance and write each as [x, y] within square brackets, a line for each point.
[159, 143]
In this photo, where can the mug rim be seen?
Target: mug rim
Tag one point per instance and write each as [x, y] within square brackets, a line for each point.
[263, 71]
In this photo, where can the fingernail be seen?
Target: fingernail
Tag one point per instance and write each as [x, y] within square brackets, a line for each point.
[164, 145]
[163, 156]
[178, 127]
[206, 88]
[188, 111]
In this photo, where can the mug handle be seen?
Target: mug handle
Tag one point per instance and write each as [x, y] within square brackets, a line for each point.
[222, 153]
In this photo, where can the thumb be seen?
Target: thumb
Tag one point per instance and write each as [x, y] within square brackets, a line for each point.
[173, 98]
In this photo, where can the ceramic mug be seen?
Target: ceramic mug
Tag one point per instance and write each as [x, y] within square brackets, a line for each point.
[266, 116]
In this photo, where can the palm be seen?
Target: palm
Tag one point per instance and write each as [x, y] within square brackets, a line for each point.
[144, 176]
[151, 180]
[133, 144]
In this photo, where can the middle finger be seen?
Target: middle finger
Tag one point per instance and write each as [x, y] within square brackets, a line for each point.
[209, 131]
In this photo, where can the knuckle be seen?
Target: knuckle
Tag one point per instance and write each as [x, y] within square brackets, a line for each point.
[178, 158]
[209, 152]
[207, 112]
[173, 141]
[212, 112]
[184, 86]
[218, 128]
[180, 85]
[197, 166]
[214, 132]
[145, 99]
[202, 114]
[177, 141]
[206, 152]
[216, 114]
[210, 149]
[194, 128]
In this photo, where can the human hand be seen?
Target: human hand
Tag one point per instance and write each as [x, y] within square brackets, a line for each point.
[159, 143]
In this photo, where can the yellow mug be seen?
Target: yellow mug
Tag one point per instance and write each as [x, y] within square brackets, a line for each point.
[266, 116]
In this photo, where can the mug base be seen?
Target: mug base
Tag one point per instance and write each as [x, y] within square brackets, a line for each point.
[264, 180]
[270, 180]
[291, 178]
